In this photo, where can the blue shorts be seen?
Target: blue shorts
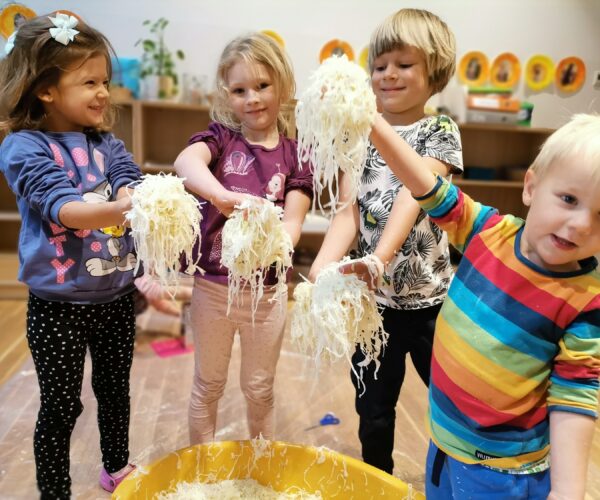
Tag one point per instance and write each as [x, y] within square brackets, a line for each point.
[447, 478]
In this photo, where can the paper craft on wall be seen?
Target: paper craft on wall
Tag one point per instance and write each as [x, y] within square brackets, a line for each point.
[506, 71]
[570, 74]
[539, 72]
[12, 16]
[473, 69]
[363, 58]
[336, 47]
[275, 36]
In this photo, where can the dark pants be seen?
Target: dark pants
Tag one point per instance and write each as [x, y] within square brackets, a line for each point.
[410, 332]
[59, 334]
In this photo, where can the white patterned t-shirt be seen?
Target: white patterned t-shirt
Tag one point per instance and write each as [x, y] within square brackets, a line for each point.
[421, 272]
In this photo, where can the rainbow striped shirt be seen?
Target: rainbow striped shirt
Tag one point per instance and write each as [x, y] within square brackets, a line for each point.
[512, 343]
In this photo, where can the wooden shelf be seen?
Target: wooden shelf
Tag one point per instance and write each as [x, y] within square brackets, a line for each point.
[499, 127]
[173, 105]
[10, 217]
[155, 168]
[10, 220]
[157, 131]
[466, 183]
[10, 287]
[499, 147]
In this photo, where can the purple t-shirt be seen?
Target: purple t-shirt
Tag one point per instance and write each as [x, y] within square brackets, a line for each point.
[245, 168]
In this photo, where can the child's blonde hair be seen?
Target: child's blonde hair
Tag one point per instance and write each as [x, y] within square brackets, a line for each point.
[579, 137]
[36, 62]
[262, 49]
[423, 30]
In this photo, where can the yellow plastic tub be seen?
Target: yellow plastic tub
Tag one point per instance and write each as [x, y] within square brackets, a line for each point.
[275, 464]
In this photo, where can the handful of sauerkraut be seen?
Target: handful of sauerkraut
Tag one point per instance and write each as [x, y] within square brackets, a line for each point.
[165, 223]
[254, 240]
[334, 116]
[336, 314]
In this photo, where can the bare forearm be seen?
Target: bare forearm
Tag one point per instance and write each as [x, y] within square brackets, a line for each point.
[402, 218]
[294, 229]
[570, 440]
[124, 192]
[402, 160]
[200, 180]
[338, 239]
[296, 206]
[192, 163]
[82, 215]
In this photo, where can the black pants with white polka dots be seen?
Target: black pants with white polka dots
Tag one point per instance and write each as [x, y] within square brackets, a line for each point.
[59, 334]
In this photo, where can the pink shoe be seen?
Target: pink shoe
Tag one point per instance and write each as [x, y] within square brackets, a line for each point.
[109, 482]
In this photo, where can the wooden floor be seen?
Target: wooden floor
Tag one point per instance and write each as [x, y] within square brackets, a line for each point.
[160, 392]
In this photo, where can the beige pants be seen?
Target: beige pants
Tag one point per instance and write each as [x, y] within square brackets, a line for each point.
[213, 338]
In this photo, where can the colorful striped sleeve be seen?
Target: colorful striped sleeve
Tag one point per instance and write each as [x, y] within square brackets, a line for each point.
[455, 212]
[575, 384]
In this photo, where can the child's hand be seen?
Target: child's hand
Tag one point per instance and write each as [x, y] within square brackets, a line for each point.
[156, 295]
[314, 272]
[228, 201]
[368, 269]
[557, 496]
[166, 306]
[124, 204]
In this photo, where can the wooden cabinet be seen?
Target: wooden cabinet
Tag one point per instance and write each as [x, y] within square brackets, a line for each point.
[498, 154]
[10, 220]
[156, 132]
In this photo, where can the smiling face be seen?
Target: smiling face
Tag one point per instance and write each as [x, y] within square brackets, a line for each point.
[80, 97]
[401, 84]
[563, 223]
[253, 98]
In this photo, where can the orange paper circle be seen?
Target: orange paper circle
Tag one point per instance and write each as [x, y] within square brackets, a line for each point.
[11, 16]
[539, 72]
[505, 71]
[570, 74]
[363, 58]
[336, 48]
[473, 69]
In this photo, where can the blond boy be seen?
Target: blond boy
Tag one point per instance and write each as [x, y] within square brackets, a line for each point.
[516, 355]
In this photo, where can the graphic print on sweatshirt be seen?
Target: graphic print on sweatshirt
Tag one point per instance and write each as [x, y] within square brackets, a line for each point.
[238, 163]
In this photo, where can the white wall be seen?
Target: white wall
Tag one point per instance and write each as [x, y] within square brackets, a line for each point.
[557, 28]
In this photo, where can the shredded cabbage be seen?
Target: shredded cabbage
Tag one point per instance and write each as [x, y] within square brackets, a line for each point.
[334, 314]
[334, 116]
[261, 447]
[253, 240]
[234, 489]
[165, 223]
[244, 487]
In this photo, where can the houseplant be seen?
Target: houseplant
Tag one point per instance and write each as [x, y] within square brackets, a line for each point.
[158, 61]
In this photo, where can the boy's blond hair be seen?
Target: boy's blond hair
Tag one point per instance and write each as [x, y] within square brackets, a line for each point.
[579, 138]
[255, 48]
[423, 30]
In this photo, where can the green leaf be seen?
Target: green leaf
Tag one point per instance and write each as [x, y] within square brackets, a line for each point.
[149, 45]
[180, 54]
